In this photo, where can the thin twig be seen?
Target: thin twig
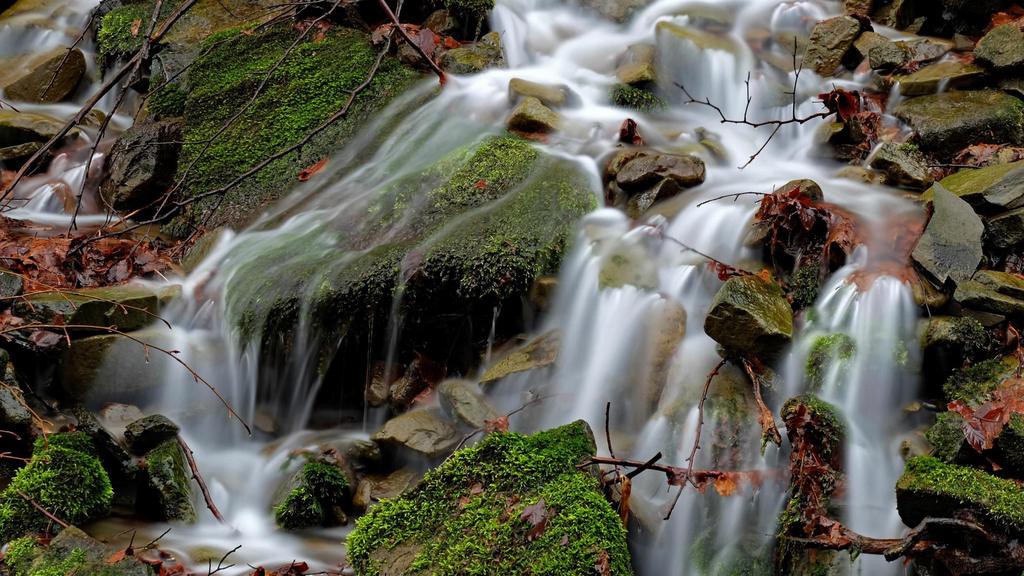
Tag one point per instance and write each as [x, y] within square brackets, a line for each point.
[220, 565]
[42, 510]
[398, 25]
[734, 197]
[190, 457]
[67, 54]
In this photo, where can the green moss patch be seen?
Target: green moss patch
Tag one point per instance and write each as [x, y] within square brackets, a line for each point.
[947, 436]
[829, 428]
[930, 487]
[973, 384]
[312, 83]
[467, 516]
[833, 351]
[318, 487]
[64, 477]
[635, 98]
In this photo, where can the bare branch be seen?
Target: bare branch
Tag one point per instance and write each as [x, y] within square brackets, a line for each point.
[190, 457]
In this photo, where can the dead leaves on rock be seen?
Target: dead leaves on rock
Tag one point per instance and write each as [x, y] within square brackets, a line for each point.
[983, 424]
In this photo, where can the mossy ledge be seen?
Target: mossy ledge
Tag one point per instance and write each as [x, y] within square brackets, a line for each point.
[465, 516]
[65, 477]
[312, 83]
[930, 487]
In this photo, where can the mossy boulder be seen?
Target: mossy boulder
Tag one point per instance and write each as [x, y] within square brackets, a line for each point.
[973, 383]
[315, 496]
[988, 189]
[1002, 49]
[950, 121]
[826, 429]
[166, 492]
[476, 57]
[147, 433]
[512, 504]
[65, 477]
[70, 552]
[452, 241]
[310, 85]
[634, 98]
[903, 164]
[947, 439]
[127, 307]
[946, 74]
[932, 488]
[1009, 445]
[993, 291]
[750, 315]
[1006, 230]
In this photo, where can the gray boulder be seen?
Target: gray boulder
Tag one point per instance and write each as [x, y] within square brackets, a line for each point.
[421, 431]
[950, 121]
[147, 433]
[462, 399]
[1006, 230]
[951, 247]
[903, 165]
[830, 41]
[1002, 49]
[142, 165]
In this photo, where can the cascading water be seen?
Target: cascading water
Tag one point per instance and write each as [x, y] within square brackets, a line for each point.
[624, 290]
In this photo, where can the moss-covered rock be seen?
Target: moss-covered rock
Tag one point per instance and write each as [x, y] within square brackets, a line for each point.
[1002, 49]
[949, 121]
[72, 552]
[972, 384]
[750, 315]
[307, 88]
[988, 189]
[639, 99]
[317, 490]
[466, 234]
[992, 291]
[479, 512]
[831, 352]
[828, 430]
[946, 437]
[475, 57]
[1009, 445]
[166, 493]
[64, 477]
[127, 307]
[930, 487]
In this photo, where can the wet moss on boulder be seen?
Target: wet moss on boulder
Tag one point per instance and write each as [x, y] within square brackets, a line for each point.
[167, 491]
[469, 516]
[750, 315]
[318, 491]
[930, 487]
[72, 552]
[65, 477]
[310, 85]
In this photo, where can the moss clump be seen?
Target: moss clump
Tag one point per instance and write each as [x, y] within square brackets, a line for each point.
[637, 99]
[805, 285]
[167, 101]
[115, 38]
[310, 85]
[168, 486]
[946, 436]
[828, 427]
[20, 554]
[973, 384]
[930, 487]
[64, 477]
[833, 351]
[970, 335]
[73, 563]
[319, 486]
[466, 516]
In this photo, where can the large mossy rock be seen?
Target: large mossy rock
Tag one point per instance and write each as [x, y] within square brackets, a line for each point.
[312, 84]
[512, 504]
[987, 189]
[65, 477]
[166, 493]
[750, 315]
[70, 552]
[314, 496]
[126, 307]
[932, 488]
[950, 121]
[454, 240]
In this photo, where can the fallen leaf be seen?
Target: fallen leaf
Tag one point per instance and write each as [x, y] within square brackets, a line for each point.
[537, 516]
[136, 25]
[310, 171]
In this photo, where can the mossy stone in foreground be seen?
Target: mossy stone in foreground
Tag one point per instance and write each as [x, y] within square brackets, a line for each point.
[950, 121]
[168, 490]
[465, 517]
[71, 553]
[317, 488]
[930, 487]
[310, 85]
[65, 477]
[750, 315]
[973, 384]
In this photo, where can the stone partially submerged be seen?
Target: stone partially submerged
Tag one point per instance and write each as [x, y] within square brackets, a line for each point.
[750, 315]
[947, 122]
[512, 504]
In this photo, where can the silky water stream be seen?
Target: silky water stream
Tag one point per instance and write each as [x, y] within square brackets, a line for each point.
[608, 318]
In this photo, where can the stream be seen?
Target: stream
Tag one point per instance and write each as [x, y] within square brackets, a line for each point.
[605, 329]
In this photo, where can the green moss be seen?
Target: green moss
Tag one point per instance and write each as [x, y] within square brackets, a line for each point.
[946, 436]
[973, 383]
[1010, 444]
[115, 38]
[637, 99]
[833, 351]
[20, 554]
[805, 285]
[928, 479]
[167, 101]
[73, 563]
[465, 516]
[170, 483]
[319, 486]
[971, 335]
[827, 422]
[64, 477]
[472, 11]
[310, 85]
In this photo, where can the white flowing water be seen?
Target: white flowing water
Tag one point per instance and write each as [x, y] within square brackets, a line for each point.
[609, 329]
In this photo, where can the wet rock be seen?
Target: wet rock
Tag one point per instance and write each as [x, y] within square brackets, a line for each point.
[14, 414]
[750, 315]
[462, 400]
[475, 58]
[950, 121]
[1002, 49]
[166, 493]
[464, 513]
[944, 75]
[1009, 445]
[665, 333]
[116, 460]
[861, 174]
[54, 80]
[74, 552]
[947, 441]
[830, 41]
[699, 38]
[932, 488]
[421, 374]
[859, 7]
[628, 263]
[993, 291]
[895, 14]
[379, 390]
[548, 94]
[375, 487]
[17, 128]
[615, 10]
[531, 116]
[1006, 230]
[142, 165]
[145, 434]
[537, 353]
[989, 189]
[422, 431]
[86, 373]
[951, 247]
[542, 292]
[903, 165]
[127, 307]
[11, 285]
[641, 171]
[637, 65]
[13, 156]
[888, 55]
[442, 23]
[865, 42]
